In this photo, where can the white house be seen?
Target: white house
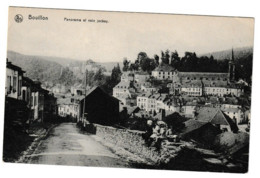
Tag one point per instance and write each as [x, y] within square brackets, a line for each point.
[164, 72]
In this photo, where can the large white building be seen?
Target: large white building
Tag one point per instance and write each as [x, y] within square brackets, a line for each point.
[164, 72]
[192, 88]
[148, 102]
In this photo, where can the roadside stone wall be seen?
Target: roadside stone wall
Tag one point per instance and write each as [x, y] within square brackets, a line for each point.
[130, 140]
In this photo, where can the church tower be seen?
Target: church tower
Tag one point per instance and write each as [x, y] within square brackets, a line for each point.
[231, 68]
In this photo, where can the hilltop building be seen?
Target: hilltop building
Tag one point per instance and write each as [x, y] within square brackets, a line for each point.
[164, 72]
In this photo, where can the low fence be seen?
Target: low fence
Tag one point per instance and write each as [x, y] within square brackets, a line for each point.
[130, 140]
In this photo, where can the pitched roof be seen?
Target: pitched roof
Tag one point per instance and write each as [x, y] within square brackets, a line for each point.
[98, 88]
[147, 94]
[192, 125]
[191, 84]
[215, 116]
[165, 68]
[123, 84]
[141, 73]
[203, 74]
[27, 81]
[133, 109]
[63, 101]
[210, 114]
[14, 67]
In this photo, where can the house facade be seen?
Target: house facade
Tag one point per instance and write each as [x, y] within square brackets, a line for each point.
[14, 77]
[164, 72]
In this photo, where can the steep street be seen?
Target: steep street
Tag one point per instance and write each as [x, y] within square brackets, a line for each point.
[66, 145]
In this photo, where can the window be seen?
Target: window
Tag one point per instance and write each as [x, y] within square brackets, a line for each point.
[31, 100]
[19, 85]
[14, 84]
[23, 95]
[9, 86]
[35, 100]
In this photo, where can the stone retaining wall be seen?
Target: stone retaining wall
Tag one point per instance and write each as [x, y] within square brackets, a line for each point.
[130, 140]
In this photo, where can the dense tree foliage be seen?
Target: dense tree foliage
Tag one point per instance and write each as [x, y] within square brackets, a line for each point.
[126, 64]
[244, 68]
[144, 63]
[113, 80]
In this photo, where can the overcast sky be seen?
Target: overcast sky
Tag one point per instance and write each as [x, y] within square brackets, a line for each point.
[125, 34]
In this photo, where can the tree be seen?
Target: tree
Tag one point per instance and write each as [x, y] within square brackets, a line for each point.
[116, 74]
[141, 56]
[189, 62]
[175, 60]
[143, 62]
[156, 58]
[99, 77]
[126, 64]
[165, 57]
[113, 80]
[133, 67]
[147, 64]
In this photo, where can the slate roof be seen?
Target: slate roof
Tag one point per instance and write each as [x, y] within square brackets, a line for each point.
[164, 68]
[14, 67]
[123, 84]
[64, 101]
[215, 116]
[191, 84]
[133, 109]
[141, 73]
[192, 125]
[27, 82]
[203, 74]
[98, 88]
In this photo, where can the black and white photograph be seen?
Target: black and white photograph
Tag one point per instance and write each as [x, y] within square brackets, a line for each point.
[128, 90]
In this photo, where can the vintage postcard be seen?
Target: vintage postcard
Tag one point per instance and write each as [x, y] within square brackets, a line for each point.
[131, 90]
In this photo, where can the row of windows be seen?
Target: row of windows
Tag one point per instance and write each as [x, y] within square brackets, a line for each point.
[193, 89]
[169, 73]
[193, 93]
[121, 86]
[218, 89]
[206, 78]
